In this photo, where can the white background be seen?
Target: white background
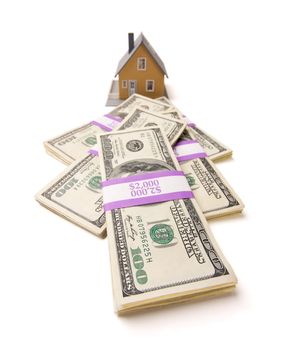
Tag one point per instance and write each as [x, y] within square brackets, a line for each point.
[229, 69]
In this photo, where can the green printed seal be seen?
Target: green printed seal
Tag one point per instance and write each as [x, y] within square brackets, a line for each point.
[191, 180]
[95, 183]
[161, 234]
[91, 141]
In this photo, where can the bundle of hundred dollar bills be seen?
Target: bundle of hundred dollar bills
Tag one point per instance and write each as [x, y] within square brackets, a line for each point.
[144, 174]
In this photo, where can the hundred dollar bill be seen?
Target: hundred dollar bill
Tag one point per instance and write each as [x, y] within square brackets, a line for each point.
[139, 101]
[73, 193]
[214, 148]
[173, 110]
[214, 195]
[75, 143]
[212, 192]
[139, 118]
[76, 195]
[163, 252]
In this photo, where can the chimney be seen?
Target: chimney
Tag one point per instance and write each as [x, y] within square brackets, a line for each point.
[131, 41]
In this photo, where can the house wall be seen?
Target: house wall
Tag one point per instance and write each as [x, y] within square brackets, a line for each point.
[130, 72]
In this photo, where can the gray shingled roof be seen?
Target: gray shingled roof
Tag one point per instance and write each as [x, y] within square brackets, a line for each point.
[141, 40]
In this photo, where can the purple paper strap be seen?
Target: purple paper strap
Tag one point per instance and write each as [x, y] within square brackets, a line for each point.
[191, 125]
[153, 192]
[111, 125]
[191, 156]
[144, 176]
[151, 199]
[186, 142]
[188, 154]
[189, 122]
[93, 152]
[102, 126]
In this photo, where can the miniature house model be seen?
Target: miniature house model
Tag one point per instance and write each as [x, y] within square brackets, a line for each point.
[140, 70]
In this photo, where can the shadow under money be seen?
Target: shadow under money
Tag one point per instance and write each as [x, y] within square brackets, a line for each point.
[179, 307]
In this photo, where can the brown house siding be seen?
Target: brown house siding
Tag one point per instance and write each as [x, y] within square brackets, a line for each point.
[152, 72]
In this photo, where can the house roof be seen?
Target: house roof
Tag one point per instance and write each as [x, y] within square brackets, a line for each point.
[139, 41]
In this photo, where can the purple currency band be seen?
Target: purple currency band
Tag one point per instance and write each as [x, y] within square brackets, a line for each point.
[151, 199]
[94, 152]
[186, 142]
[189, 122]
[191, 156]
[155, 198]
[143, 176]
[100, 125]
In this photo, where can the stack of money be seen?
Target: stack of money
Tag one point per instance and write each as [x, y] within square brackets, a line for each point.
[214, 149]
[77, 196]
[214, 195]
[162, 252]
[74, 143]
[174, 228]
[76, 193]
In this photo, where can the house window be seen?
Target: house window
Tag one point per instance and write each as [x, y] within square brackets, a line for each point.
[124, 84]
[150, 85]
[141, 63]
